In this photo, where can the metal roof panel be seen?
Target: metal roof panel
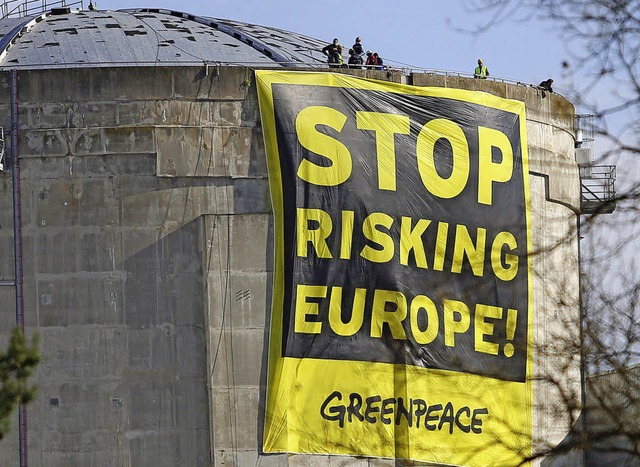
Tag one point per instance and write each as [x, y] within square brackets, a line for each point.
[149, 37]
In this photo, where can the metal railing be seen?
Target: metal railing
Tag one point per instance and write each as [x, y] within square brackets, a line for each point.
[405, 71]
[598, 189]
[584, 128]
[20, 8]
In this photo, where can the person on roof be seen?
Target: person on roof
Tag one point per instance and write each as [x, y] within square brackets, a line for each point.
[379, 61]
[371, 60]
[546, 86]
[481, 70]
[333, 52]
[358, 48]
[355, 60]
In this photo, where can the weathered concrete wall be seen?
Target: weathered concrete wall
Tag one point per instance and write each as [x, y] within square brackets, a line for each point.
[148, 261]
[113, 209]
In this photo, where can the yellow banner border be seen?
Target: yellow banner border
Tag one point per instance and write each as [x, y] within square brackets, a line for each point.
[265, 80]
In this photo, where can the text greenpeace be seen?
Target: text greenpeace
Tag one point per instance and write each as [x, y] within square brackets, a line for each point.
[401, 315]
[406, 231]
[414, 412]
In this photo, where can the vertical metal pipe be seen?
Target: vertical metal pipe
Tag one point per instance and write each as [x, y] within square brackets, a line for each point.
[17, 245]
[583, 370]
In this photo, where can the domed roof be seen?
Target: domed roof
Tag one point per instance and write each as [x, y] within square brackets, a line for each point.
[148, 37]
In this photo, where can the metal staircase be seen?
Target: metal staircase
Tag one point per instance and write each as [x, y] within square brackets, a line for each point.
[598, 193]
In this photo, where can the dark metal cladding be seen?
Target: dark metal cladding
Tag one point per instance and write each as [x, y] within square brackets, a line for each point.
[148, 37]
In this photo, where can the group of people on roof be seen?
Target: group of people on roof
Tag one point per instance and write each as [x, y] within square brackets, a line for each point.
[357, 56]
[357, 59]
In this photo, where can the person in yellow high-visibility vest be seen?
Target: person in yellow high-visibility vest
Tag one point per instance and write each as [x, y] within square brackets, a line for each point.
[481, 71]
[334, 53]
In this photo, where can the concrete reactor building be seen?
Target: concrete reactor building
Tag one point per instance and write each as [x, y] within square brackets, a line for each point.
[137, 235]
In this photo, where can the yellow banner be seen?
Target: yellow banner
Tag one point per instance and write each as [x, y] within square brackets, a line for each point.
[401, 316]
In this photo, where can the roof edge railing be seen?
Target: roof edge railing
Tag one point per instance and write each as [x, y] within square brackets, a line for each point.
[21, 8]
[316, 65]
